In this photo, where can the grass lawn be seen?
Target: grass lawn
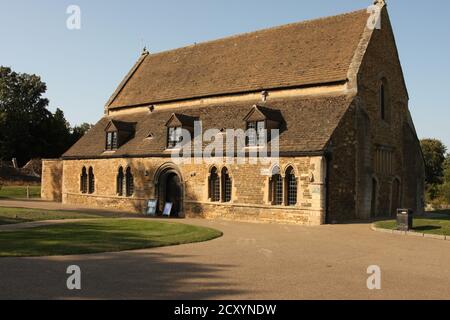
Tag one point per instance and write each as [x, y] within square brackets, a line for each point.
[106, 235]
[19, 215]
[17, 192]
[437, 222]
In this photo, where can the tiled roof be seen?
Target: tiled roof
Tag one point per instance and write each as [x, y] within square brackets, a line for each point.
[306, 125]
[299, 54]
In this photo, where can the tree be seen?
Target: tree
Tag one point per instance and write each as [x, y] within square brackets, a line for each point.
[445, 187]
[434, 154]
[78, 132]
[446, 168]
[27, 128]
[23, 112]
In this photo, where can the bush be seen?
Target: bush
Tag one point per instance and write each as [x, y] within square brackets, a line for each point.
[444, 192]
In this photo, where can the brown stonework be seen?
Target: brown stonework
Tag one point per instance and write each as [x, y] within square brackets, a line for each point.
[248, 189]
[351, 160]
[52, 175]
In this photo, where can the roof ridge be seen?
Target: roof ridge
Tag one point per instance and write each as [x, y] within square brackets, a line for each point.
[259, 31]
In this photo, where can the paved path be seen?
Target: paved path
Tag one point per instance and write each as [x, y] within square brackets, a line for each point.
[251, 261]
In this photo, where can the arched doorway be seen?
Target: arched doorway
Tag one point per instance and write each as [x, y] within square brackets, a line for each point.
[169, 188]
[173, 193]
[395, 197]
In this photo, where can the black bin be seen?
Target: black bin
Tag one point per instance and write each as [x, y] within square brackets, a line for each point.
[404, 219]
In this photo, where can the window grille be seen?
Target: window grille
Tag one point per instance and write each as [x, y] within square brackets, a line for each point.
[120, 182]
[256, 134]
[83, 181]
[291, 188]
[91, 181]
[174, 137]
[226, 181]
[111, 141]
[129, 183]
[214, 186]
[278, 190]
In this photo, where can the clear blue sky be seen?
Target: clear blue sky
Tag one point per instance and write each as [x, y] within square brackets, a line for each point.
[83, 67]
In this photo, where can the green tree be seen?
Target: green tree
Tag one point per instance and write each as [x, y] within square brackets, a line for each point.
[23, 111]
[77, 132]
[434, 154]
[27, 128]
[445, 187]
[446, 168]
[57, 138]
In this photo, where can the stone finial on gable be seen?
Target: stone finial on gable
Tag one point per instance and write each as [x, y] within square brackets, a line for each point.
[380, 3]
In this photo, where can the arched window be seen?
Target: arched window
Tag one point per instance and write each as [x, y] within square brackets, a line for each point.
[91, 180]
[129, 183]
[214, 185]
[120, 182]
[384, 102]
[226, 185]
[276, 187]
[83, 181]
[291, 187]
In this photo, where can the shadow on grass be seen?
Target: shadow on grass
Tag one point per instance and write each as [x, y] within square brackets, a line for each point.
[99, 236]
[426, 228]
[447, 212]
[438, 215]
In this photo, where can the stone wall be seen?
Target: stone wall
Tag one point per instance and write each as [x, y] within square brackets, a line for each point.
[381, 61]
[342, 171]
[250, 185]
[358, 189]
[51, 185]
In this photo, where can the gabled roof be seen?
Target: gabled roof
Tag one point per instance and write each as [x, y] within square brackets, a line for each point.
[260, 113]
[294, 55]
[180, 120]
[116, 125]
[308, 124]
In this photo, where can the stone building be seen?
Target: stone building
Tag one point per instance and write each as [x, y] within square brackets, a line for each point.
[332, 87]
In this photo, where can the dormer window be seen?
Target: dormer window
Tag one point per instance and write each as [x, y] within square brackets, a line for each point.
[175, 137]
[111, 141]
[256, 133]
[259, 123]
[118, 133]
[177, 124]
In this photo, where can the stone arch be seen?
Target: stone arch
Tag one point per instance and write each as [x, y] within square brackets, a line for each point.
[290, 186]
[169, 187]
[91, 180]
[292, 167]
[84, 180]
[213, 183]
[276, 168]
[120, 178]
[275, 186]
